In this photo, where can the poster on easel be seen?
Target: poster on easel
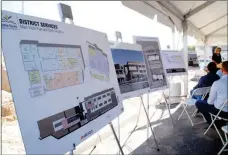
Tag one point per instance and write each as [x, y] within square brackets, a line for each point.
[173, 62]
[130, 69]
[154, 65]
[193, 60]
[62, 79]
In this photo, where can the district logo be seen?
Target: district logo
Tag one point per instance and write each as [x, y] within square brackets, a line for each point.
[8, 22]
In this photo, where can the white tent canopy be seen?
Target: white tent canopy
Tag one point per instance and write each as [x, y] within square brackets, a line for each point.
[207, 20]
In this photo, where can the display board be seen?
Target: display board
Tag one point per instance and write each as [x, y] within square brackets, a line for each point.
[154, 65]
[173, 62]
[130, 69]
[62, 79]
[193, 60]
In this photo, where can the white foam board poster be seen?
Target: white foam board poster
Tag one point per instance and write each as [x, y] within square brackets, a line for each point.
[193, 60]
[62, 79]
[154, 65]
[173, 62]
[130, 69]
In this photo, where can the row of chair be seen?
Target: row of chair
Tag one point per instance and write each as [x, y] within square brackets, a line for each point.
[191, 102]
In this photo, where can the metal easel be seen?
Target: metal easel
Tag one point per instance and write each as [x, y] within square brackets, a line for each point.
[148, 121]
[134, 129]
[118, 35]
[169, 97]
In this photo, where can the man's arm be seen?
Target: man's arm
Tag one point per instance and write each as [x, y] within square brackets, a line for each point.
[199, 84]
[213, 93]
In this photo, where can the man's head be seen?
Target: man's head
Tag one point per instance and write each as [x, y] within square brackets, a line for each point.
[224, 68]
[211, 67]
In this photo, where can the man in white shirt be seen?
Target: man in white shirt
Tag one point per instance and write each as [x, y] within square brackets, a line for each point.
[218, 95]
[219, 72]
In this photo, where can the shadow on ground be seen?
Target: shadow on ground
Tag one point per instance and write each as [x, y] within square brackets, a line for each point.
[183, 139]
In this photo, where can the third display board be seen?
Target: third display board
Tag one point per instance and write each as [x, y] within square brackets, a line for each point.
[173, 62]
[154, 65]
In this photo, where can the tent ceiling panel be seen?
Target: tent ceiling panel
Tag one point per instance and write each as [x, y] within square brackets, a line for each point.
[151, 9]
[217, 40]
[173, 15]
[221, 32]
[205, 18]
[186, 6]
[209, 14]
[214, 25]
[193, 31]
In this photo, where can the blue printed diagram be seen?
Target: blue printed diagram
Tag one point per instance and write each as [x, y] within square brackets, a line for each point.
[51, 66]
[53, 59]
[98, 61]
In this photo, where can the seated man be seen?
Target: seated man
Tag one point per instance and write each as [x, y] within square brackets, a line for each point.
[218, 95]
[207, 80]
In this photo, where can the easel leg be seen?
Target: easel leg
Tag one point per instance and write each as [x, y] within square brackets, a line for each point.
[94, 147]
[136, 125]
[118, 131]
[72, 151]
[148, 107]
[149, 123]
[117, 141]
[168, 107]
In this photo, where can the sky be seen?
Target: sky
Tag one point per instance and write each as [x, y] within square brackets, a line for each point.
[104, 16]
[121, 56]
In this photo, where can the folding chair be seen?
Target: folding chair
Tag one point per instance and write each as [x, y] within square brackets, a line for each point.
[217, 117]
[225, 130]
[190, 101]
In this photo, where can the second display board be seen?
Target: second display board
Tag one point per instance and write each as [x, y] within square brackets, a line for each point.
[139, 67]
[130, 69]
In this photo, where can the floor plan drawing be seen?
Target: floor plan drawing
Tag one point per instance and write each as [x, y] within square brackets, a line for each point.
[59, 58]
[34, 77]
[51, 66]
[98, 61]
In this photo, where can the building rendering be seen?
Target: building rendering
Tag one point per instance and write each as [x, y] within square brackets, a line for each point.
[130, 70]
[65, 122]
[136, 71]
[120, 72]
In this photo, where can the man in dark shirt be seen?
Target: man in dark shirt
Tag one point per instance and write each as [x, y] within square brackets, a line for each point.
[207, 80]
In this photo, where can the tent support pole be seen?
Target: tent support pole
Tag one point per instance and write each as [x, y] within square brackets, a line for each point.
[185, 47]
